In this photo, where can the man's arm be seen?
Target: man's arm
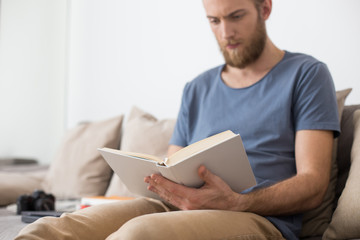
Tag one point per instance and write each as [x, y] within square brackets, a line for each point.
[173, 149]
[302, 192]
[307, 188]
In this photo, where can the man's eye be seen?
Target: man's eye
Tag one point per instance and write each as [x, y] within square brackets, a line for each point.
[238, 16]
[214, 20]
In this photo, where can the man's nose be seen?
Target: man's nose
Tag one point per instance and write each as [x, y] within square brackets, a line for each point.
[227, 30]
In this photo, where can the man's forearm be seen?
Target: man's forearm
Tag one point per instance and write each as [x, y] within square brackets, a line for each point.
[297, 194]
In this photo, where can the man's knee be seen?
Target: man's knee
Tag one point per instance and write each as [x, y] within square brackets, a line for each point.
[96, 222]
[201, 224]
[142, 227]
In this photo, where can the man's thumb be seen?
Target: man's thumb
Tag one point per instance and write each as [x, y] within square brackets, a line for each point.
[205, 174]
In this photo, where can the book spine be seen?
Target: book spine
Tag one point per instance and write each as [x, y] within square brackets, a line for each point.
[168, 173]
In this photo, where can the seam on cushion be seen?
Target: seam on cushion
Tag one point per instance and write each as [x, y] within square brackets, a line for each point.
[159, 203]
[252, 236]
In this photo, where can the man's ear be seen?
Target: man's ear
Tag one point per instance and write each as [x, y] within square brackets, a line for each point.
[265, 9]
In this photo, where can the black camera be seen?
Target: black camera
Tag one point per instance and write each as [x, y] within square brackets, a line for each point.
[37, 201]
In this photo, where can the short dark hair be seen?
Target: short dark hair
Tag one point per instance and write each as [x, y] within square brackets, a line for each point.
[258, 4]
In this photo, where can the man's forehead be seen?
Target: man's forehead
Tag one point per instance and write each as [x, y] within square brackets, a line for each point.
[225, 7]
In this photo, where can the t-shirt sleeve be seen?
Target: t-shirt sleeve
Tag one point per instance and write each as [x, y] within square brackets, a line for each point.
[180, 134]
[315, 105]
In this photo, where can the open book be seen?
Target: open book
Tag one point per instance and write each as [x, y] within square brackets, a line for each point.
[223, 154]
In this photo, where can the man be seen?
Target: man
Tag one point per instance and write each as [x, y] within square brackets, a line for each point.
[287, 137]
[284, 107]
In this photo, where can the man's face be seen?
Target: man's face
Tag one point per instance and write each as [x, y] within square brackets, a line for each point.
[238, 28]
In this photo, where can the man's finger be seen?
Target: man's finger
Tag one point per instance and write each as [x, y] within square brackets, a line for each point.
[170, 186]
[206, 175]
[157, 184]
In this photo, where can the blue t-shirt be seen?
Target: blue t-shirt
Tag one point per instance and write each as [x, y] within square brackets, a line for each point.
[297, 94]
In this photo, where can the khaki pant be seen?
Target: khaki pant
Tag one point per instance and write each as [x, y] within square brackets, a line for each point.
[150, 219]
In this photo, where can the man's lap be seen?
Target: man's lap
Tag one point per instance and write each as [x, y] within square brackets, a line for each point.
[150, 219]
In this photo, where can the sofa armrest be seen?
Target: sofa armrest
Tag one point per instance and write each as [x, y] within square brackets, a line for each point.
[19, 180]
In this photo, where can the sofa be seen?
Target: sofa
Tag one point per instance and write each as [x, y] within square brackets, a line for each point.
[78, 170]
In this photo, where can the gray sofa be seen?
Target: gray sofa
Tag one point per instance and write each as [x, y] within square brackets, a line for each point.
[141, 122]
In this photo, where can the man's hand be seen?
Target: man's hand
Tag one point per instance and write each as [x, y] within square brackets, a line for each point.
[214, 194]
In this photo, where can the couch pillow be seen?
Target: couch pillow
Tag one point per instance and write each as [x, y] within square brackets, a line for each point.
[345, 223]
[317, 220]
[345, 142]
[142, 133]
[78, 169]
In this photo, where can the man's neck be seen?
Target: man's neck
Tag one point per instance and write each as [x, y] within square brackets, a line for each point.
[241, 78]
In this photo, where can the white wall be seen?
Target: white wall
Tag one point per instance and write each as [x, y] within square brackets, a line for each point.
[127, 52]
[143, 52]
[135, 52]
[32, 77]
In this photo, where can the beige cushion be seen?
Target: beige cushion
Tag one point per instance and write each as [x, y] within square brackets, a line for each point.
[78, 169]
[317, 220]
[12, 185]
[345, 223]
[143, 133]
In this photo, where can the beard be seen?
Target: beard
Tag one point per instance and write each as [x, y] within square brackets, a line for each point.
[251, 51]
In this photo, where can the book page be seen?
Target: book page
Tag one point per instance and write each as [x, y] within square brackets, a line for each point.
[199, 146]
[138, 155]
[131, 170]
